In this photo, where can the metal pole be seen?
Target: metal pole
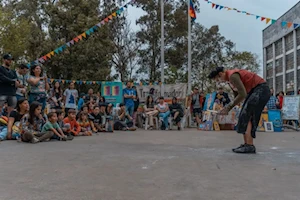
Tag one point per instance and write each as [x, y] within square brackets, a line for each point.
[189, 50]
[162, 48]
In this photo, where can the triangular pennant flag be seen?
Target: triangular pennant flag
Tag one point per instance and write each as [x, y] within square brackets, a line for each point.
[51, 80]
[91, 30]
[110, 17]
[95, 28]
[221, 7]
[99, 25]
[263, 18]
[83, 35]
[217, 6]
[63, 81]
[118, 12]
[257, 17]
[79, 37]
[98, 82]
[56, 51]
[76, 39]
[102, 22]
[68, 44]
[67, 81]
[248, 14]
[268, 20]
[283, 24]
[49, 55]
[41, 59]
[125, 6]
[44, 58]
[94, 82]
[114, 14]
[78, 82]
[87, 32]
[72, 42]
[84, 82]
[106, 20]
[296, 25]
[243, 11]
[52, 53]
[28, 65]
[289, 24]
[229, 8]
[60, 49]
[238, 11]
[213, 5]
[121, 9]
[273, 21]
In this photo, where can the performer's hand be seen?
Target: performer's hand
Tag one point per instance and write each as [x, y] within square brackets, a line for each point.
[224, 111]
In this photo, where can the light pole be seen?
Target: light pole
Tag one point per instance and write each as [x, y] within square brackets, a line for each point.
[162, 48]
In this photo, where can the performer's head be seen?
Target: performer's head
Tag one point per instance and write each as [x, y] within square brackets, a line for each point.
[218, 74]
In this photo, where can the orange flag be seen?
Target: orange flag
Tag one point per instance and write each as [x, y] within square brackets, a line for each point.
[49, 55]
[289, 24]
[76, 39]
[51, 80]
[268, 20]
[79, 37]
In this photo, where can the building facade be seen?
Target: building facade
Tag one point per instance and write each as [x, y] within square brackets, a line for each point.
[281, 53]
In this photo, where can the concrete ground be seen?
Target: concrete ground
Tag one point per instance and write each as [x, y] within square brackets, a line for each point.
[152, 165]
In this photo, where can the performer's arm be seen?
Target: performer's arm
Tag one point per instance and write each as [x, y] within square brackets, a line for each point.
[235, 79]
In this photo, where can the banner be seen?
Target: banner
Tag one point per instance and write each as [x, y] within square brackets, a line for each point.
[171, 90]
[112, 92]
[266, 19]
[290, 107]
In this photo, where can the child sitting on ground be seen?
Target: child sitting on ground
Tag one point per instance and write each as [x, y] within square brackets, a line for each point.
[64, 127]
[84, 124]
[53, 126]
[96, 120]
[71, 120]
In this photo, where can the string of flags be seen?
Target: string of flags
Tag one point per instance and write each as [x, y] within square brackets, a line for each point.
[263, 19]
[80, 37]
[81, 82]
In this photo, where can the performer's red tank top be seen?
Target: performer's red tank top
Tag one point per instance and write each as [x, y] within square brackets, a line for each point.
[249, 79]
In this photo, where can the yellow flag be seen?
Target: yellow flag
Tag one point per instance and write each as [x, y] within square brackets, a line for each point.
[84, 82]
[52, 53]
[63, 81]
[268, 20]
[51, 80]
[114, 14]
[83, 35]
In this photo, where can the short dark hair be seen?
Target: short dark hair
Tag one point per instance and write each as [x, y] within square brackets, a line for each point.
[215, 72]
[72, 111]
[51, 114]
[121, 104]
[96, 106]
[161, 98]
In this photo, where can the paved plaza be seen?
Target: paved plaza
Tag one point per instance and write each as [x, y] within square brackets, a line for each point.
[152, 165]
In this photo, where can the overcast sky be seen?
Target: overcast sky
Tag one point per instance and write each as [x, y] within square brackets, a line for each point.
[242, 29]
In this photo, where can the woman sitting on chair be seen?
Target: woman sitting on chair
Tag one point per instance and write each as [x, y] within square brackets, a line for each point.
[150, 111]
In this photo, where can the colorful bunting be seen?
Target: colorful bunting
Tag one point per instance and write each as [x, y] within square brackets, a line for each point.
[83, 35]
[283, 24]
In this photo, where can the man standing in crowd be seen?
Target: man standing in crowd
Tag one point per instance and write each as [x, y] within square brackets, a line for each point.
[272, 103]
[22, 77]
[129, 96]
[90, 96]
[223, 97]
[197, 102]
[9, 84]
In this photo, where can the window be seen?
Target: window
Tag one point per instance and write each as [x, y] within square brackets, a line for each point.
[278, 65]
[289, 42]
[270, 82]
[289, 77]
[298, 36]
[270, 69]
[278, 47]
[298, 57]
[279, 82]
[289, 60]
[269, 52]
[298, 78]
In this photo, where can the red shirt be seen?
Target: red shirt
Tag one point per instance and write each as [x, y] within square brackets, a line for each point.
[280, 98]
[249, 79]
[75, 128]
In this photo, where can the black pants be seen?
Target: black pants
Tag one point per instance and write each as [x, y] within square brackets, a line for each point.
[253, 107]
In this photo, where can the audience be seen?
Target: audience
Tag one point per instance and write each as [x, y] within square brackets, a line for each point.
[150, 111]
[96, 120]
[22, 77]
[176, 112]
[56, 97]
[123, 120]
[70, 97]
[71, 121]
[129, 96]
[164, 113]
[85, 125]
[38, 86]
[51, 126]
[31, 125]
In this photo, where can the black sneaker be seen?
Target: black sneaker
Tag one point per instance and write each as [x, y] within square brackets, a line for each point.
[70, 137]
[247, 149]
[242, 145]
[178, 128]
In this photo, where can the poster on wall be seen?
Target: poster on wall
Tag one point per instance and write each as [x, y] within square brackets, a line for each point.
[170, 91]
[261, 125]
[112, 92]
[290, 108]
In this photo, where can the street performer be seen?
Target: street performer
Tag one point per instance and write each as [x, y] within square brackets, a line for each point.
[254, 90]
